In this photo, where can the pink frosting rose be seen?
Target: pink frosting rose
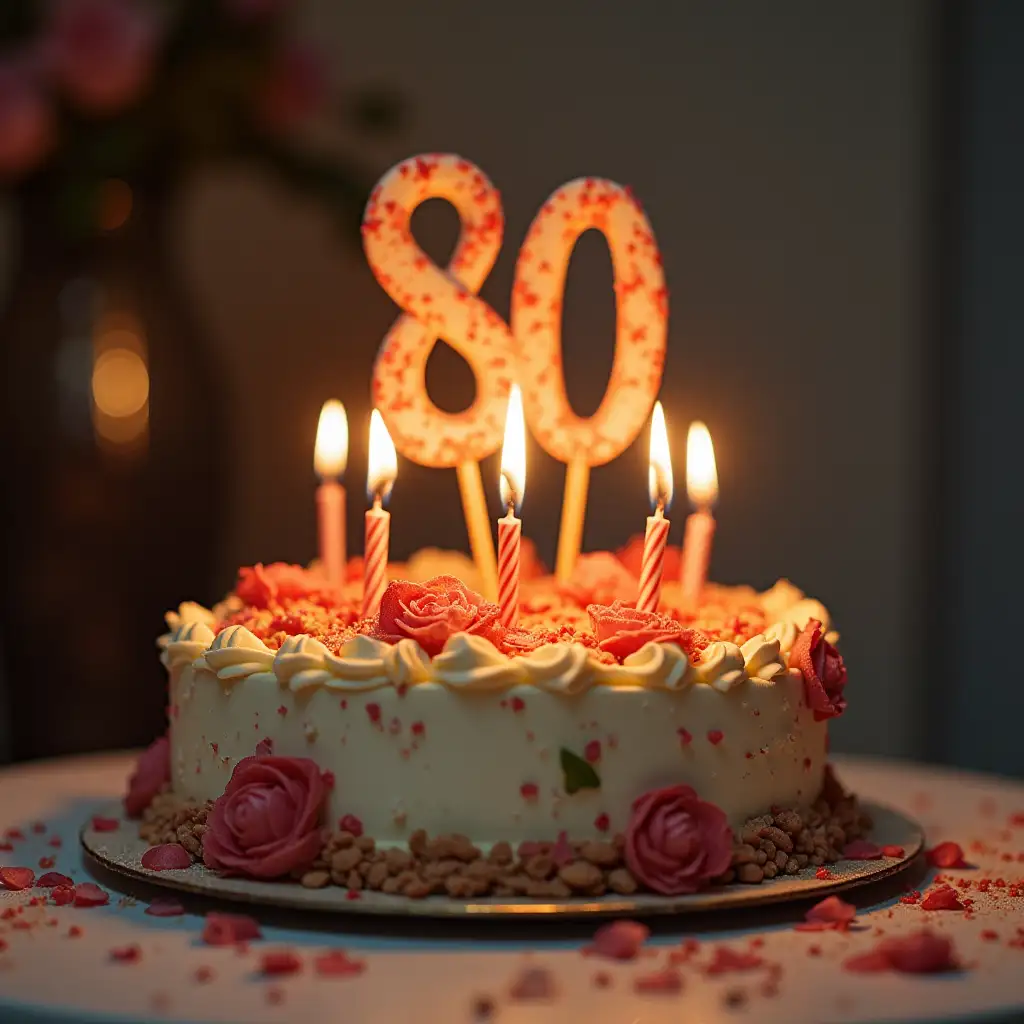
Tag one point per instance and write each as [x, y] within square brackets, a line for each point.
[823, 671]
[102, 51]
[621, 629]
[431, 612]
[599, 578]
[152, 772]
[676, 842]
[267, 822]
[267, 586]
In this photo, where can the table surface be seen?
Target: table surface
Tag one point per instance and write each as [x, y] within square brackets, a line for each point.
[435, 973]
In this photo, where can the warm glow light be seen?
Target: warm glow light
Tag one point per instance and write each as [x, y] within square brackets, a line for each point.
[330, 457]
[513, 452]
[383, 462]
[659, 474]
[120, 383]
[701, 474]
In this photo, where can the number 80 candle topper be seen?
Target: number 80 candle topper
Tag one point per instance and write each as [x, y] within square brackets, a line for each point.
[442, 303]
[641, 323]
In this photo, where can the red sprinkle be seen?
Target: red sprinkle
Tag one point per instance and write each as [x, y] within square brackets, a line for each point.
[227, 929]
[282, 711]
[715, 736]
[55, 842]
[602, 822]
[353, 894]
[726, 960]
[203, 974]
[126, 954]
[17, 878]
[529, 790]
[418, 729]
[336, 964]
[373, 710]
[823, 873]
[102, 824]
[39, 827]
[75, 931]
[14, 834]
[282, 961]
[893, 851]
[62, 895]
[989, 935]
[685, 736]
[517, 704]
[946, 855]
[52, 879]
[592, 751]
[943, 898]
[47, 862]
[664, 982]
[350, 823]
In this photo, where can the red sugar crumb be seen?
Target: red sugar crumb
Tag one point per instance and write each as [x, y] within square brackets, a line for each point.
[227, 929]
[529, 790]
[862, 849]
[350, 823]
[165, 906]
[533, 983]
[592, 751]
[280, 961]
[56, 842]
[126, 954]
[823, 874]
[943, 898]
[89, 894]
[418, 729]
[47, 862]
[834, 912]
[725, 961]
[52, 879]
[102, 824]
[989, 935]
[921, 952]
[814, 950]
[14, 834]
[166, 857]
[282, 711]
[664, 982]
[39, 827]
[353, 894]
[946, 855]
[715, 736]
[275, 995]
[685, 953]
[62, 895]
[336, 964]
[17, 878]
[75, 931]
[893, 851]
[685, 736]
[601, 979]
[203, 974]
[6, 846]
[602, 822]
[619, 940]
[373, 711]
[517, 704]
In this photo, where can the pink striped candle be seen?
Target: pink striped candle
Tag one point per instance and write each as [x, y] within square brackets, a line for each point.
[375, 557]
[512, 484]
[509, 532]
[655, 541]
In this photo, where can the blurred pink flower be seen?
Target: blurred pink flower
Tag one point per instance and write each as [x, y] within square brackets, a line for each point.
[294, 89]
[26, 119]
[101, 51]
[255, 10]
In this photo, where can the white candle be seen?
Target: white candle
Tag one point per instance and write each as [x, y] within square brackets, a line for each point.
[702, 490]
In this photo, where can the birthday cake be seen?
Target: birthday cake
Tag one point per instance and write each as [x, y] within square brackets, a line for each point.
[619, 725]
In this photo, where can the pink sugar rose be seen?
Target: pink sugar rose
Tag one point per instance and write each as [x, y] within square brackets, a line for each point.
[621, 629]
[26, 119]
[267, 586]
[267, 822]
[676, 842]
[599, 578]
[102, 51]
[823, 671]
[152, 772]
[431, 612]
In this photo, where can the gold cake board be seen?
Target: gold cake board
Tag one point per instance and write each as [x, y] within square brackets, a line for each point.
[121, 850]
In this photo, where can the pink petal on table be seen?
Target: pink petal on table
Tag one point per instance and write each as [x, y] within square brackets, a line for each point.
[165, 906]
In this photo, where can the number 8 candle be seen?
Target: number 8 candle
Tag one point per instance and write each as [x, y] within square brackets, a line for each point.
[441, 302]
[641, 322]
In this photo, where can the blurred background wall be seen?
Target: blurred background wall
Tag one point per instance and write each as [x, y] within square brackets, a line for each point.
[785, 155]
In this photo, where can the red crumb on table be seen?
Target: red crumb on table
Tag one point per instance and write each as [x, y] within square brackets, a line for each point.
[14, 834]
[165, 906]
[373, 712]
[832, 913]
[529, 790]
[418, 729]
[715, 736]
[17, 878]
[75, 931]
[203, 974]
[685, 736]
[47, 862]
[39, 827]
[592, 751]
[942, 898]
[228, 929]
[601, 979]
[664, 982]
[275, 995]
[350, 823]
[282, 711]
[338, 964]
[602, 822]
[533, 983]
[946, 855]
[56, 842]
[990, 935]
[921, 952]
[89, 894]
[517, 704]
[52, 879]
[126, 954]
[725, 960]
[280, 961]
[619, 940]
[102, 824]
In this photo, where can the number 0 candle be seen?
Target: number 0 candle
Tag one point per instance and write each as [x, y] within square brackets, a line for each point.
[380, 476]
[329, 460]
[513, 486]
[660, 485]
[702, 490]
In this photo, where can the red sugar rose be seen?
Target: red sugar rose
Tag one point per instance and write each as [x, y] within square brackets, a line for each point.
[676, 842]
[823, 671]
[267, 822]
[152, 772]
[431, 612]
[621, 629]
[266, 586]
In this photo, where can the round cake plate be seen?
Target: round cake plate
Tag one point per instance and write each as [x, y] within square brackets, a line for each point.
[120, 851]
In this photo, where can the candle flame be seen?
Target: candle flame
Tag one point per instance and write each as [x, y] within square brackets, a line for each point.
[513, 452]
[330, 456]
[659, 475]
[382, 467]
[701, 474]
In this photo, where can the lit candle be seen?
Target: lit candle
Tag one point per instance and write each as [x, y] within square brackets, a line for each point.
[659, 478]
[702, 490]
[330, 458]
[380, 476]
[512, 485]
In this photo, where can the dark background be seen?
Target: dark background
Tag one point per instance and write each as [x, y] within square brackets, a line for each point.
[836, 189]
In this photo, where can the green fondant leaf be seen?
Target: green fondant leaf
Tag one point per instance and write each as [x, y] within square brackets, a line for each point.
[578, 773]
